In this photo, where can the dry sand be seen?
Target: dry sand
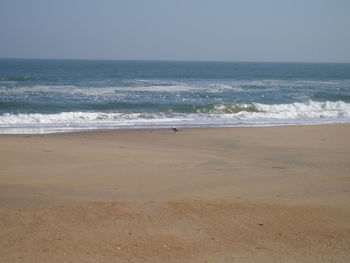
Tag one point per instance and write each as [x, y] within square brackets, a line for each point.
[278, 194]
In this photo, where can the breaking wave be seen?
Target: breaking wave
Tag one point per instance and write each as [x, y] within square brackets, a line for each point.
[310, 109]
[229, 113]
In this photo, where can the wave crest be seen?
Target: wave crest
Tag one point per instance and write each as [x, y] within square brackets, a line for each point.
[226, 108]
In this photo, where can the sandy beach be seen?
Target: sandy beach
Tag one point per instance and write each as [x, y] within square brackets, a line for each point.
[275, 194]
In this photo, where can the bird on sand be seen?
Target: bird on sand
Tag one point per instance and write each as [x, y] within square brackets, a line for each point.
[175, 129]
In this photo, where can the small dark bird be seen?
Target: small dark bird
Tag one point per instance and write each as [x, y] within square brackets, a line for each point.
[175, 129]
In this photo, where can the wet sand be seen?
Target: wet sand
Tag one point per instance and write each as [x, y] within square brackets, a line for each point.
[278, 194]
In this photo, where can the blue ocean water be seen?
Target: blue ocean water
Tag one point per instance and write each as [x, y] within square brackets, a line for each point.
[40, 96]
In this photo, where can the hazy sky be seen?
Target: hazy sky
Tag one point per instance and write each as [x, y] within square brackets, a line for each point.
[228, 30]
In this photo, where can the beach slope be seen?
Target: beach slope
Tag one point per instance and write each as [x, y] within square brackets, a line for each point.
[274, 194]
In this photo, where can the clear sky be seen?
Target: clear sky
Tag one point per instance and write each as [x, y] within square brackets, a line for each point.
[221, 30]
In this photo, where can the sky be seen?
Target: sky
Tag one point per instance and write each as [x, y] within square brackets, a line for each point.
[208, 30]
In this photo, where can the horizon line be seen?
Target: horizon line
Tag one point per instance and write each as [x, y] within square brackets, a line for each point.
[179, 60]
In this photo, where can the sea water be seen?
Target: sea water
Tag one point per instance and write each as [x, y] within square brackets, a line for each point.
[44, 96]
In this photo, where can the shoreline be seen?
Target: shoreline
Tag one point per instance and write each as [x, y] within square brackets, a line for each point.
[51, 130]
[152, 195]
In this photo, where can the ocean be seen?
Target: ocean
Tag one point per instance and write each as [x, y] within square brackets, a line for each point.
[47, 96]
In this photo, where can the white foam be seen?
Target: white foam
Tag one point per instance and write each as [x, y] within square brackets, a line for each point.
[67, 89]
[114, 91]
[69, 118]
[159, 88]
[210, 86]
[264, 114]
[310, 109]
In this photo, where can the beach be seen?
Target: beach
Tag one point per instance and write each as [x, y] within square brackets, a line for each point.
[267, 194]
